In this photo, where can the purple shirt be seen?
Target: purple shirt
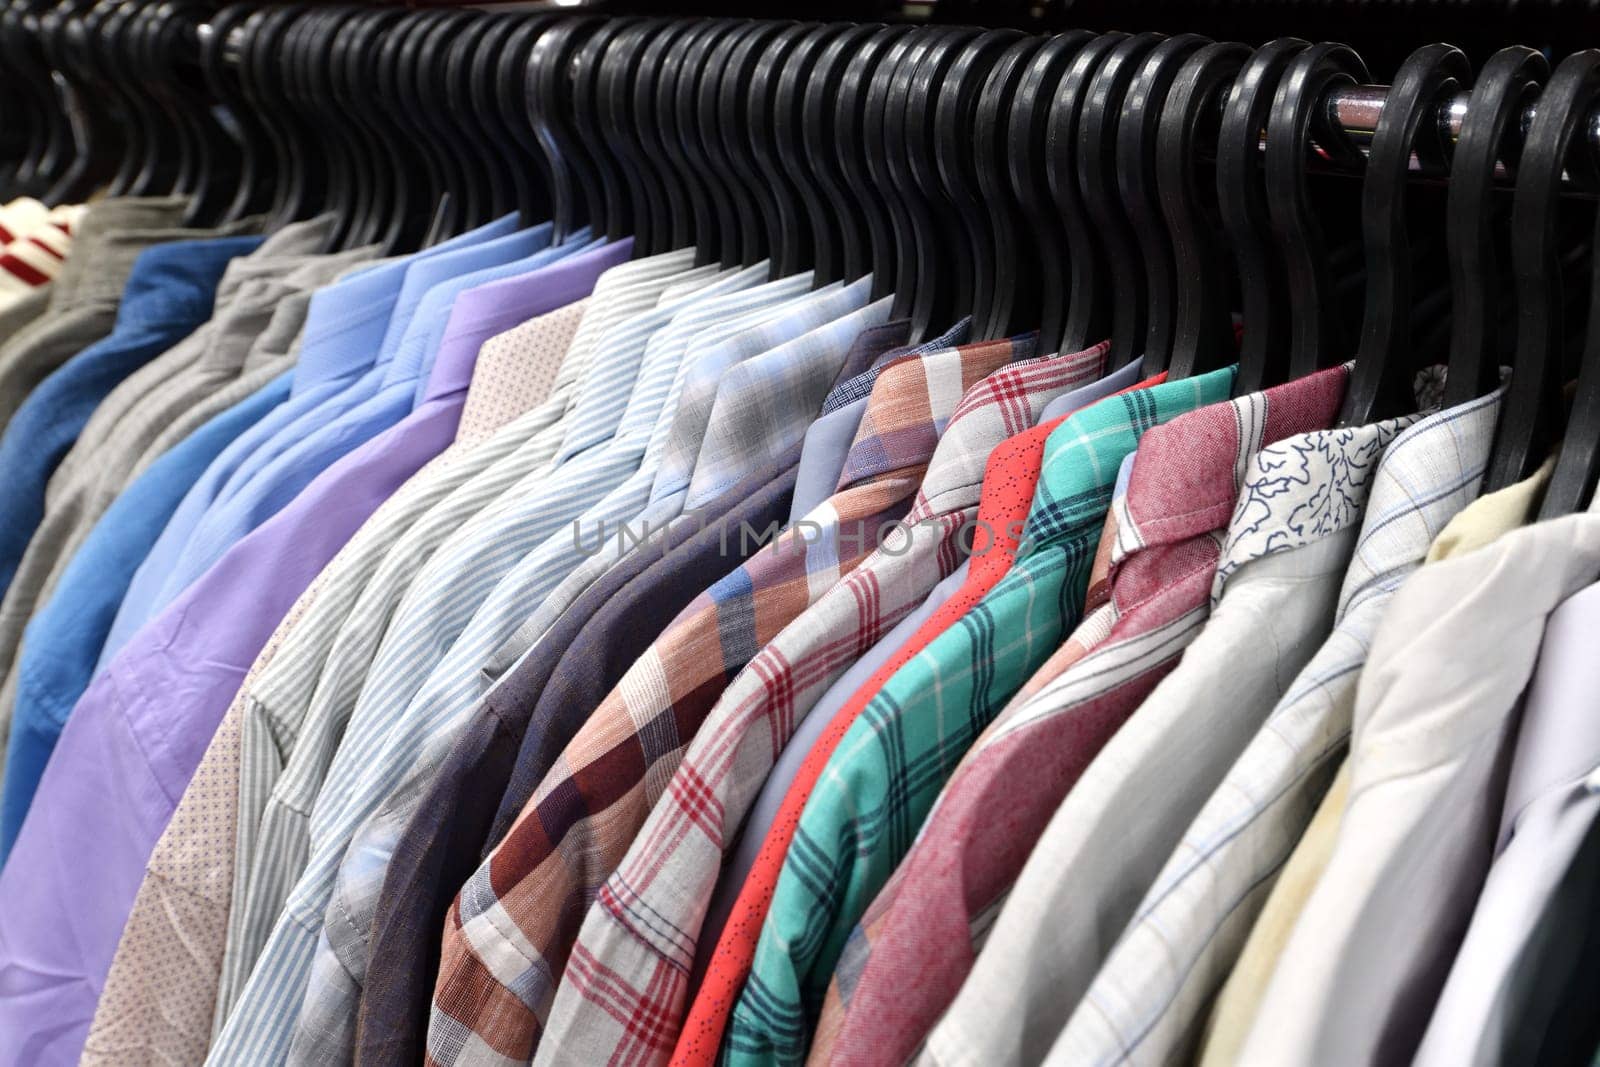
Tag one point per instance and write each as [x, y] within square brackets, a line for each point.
[136, 736]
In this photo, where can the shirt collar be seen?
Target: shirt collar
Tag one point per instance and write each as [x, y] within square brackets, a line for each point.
[1077, 472]
[1004, 404]
[914, 399]
[1124, 377]
[697, 326]
[1304, 489]
[675, 442]
[859, 385]
[625, 352]
[1187, 473]
[560, 283]
[1432, 470]
[746, 423]
[178, 279]
[423, 272]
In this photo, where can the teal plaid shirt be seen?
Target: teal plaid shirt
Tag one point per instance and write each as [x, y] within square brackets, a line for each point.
[883, 779]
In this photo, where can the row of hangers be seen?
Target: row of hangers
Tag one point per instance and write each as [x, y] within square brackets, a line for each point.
[1088, 185]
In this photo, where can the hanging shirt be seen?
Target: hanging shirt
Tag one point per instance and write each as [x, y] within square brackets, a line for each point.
[542, 702]
[80, 306]
[167, 389]
[134, 739]
[289, 888]
[169, 293]
[1364, 963]
[296, 709]
[1010, 478]
[672, 870]
[344, 328]
[376, 401]
[184, 902]
[339, 971]
[676, 681]
[1551, 806]
[1438, 460]
[65, 634]
[788, 975]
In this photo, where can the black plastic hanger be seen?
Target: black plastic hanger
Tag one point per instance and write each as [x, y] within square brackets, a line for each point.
[505, 86]
[1120, 256]
[253, 178]
[836, 103]
[1316, 334]
[944, 267]
[1246, 218]
[1202, 327]
[677, 227]
[1530, 420]
[1494, 112]
[1381, 384]
[575, 181]
[774, 103]
[816, 223]
[892, 239]
[613, 98]
[749, 226]
[421, 63]
[734, 121]
[965, 148]
[386, 204]
[352, 183]
[1137, 155]
[1044, 251]
[468, 53]
[998, 298]
[1088, 308]
[713, 223]
[1573, 483]
[414, 192]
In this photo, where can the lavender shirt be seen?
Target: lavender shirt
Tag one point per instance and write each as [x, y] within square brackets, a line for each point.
[136, 735]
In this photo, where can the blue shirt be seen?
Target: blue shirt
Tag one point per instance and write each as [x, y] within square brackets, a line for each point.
[324, 438]
[169, 293]
[65, 635]
[345, 327]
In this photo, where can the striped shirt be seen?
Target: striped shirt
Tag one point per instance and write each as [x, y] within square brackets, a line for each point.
[303, 703]
[327, 1022]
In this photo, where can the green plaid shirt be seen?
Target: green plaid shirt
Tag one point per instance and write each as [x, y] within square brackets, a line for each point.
[887, 772]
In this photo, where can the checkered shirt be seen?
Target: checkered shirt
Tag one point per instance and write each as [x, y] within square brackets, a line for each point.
[883, 778]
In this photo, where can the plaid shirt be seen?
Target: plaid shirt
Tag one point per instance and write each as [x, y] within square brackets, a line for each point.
[624, 992]
[508, 934]
[1168, 535]
[1428, 473]
[886, 772]
[1010, 476]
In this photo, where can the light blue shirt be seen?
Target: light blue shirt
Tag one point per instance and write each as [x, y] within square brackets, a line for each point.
[345, 326]
[64, 637]
[383, 396]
